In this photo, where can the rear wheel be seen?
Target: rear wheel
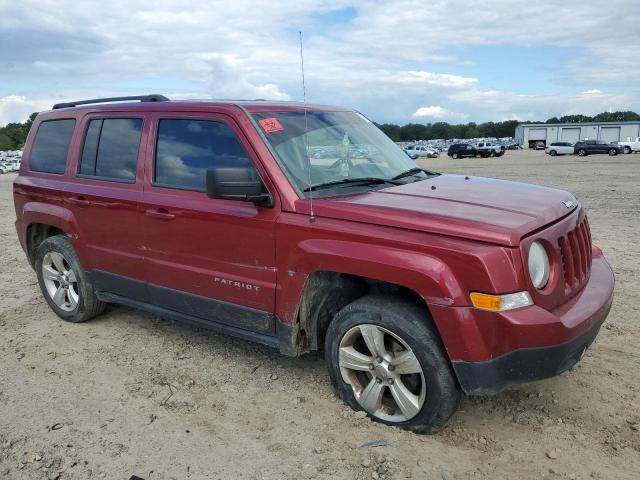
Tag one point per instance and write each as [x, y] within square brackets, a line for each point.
[582, 152]
[613, 151]
[454, 155]
[478, 155]
[493, 153]
[386, 359]
[553, 153]
[63, 282]
[627, 150]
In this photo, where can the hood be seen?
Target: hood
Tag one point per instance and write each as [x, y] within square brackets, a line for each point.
[484, 209]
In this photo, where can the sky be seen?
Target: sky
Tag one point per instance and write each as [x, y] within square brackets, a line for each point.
[394, 61]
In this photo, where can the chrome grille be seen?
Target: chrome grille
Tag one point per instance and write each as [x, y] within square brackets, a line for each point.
[575, 250]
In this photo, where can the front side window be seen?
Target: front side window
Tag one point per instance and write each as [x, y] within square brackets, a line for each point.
[331, 147]
[110, 148]
[186, 148]
[51, 145]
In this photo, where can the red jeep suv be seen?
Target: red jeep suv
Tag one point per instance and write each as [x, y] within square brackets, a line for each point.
[303, 227]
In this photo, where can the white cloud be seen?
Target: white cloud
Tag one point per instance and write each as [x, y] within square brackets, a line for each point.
[17, 108]
[387, 59]
[511, 105]
[439, 79]
[438, 112]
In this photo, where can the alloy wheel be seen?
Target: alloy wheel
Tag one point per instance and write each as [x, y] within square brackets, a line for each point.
[60, 281]
[386, 377]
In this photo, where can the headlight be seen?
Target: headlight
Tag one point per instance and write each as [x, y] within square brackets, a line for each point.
[538, 265]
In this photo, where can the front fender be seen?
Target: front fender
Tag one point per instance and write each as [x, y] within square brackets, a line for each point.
[424, 274]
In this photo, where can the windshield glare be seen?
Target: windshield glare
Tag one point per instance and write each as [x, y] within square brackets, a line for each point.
[337, 146]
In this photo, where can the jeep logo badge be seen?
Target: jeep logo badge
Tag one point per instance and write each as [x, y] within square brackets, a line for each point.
[569, 204]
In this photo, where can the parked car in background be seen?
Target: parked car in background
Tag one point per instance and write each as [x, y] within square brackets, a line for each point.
[461, 150]
[539, 145]
[415, 151]
[559, 148]
[490, 149]
[417, 286]
[630, 145]
[586, 147]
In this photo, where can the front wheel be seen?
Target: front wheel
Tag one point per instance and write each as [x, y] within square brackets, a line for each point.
[384, 357]
[454, 155]
[492, 154]
[582, 152]
[613, 152]
[63, 282]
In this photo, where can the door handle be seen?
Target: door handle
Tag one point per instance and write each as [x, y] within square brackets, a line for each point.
[159, 214]
[79, 201]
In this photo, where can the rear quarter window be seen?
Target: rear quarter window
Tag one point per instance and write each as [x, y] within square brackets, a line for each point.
[51, 145]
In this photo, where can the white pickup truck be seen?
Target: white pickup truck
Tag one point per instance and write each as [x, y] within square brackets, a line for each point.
[630, 145]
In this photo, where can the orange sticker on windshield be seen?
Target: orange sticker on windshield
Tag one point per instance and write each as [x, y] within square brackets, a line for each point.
[271, 125]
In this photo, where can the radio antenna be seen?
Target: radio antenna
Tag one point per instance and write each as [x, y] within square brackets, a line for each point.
[312, 217]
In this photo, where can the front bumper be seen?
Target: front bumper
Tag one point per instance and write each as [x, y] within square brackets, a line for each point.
[525, 364]
[529, 343]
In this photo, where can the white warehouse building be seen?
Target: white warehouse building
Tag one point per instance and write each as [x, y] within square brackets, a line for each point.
[529, 134]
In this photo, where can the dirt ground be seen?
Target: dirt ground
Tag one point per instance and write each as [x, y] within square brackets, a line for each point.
[131, 393]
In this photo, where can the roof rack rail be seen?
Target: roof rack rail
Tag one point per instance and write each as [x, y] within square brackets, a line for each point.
[141, 98]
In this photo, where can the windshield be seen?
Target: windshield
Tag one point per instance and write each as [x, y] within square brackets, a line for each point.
[338, 146]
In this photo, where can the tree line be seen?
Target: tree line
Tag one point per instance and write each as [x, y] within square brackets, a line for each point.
[13, 135]
[444, 130]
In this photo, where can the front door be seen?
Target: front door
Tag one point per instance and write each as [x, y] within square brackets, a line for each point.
[208, 258]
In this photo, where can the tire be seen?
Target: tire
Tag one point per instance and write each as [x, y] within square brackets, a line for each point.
[582, 152]
[553, 153]
[613, 152]
[57, 266]
[492, 154]
[627, 150]
[478, 155]
[454, 155]
[434, 391]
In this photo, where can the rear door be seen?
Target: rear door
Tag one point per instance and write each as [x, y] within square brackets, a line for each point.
[105, 199]
[208, 258]
[601, 146]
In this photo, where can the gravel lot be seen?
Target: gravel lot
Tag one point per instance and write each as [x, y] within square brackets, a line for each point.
[130, 393]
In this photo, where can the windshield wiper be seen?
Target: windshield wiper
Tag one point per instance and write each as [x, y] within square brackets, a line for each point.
[352, 181]
[414, 171]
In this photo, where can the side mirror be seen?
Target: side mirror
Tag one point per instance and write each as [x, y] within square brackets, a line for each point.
[237, 183]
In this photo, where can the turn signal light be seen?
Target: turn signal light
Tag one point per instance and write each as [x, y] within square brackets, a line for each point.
[500, 303]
